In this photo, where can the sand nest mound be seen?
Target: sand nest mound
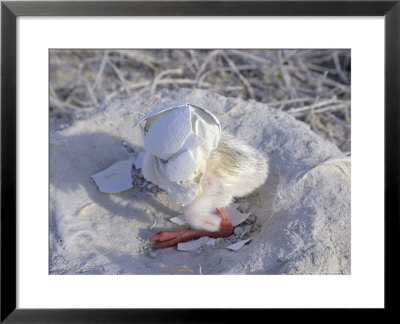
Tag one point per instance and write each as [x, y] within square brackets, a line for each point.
[299, 220]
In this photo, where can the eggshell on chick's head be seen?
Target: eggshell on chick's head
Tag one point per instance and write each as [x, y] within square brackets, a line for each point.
[168, 133]
[180, 138]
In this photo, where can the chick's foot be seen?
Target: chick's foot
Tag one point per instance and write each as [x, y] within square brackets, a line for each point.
[168, 239]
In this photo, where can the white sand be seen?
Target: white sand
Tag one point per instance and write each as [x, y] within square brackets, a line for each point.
[299, 222]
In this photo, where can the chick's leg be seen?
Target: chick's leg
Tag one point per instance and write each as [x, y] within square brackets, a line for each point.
[167, 239]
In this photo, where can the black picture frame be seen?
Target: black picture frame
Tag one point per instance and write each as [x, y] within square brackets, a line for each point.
[10, 10]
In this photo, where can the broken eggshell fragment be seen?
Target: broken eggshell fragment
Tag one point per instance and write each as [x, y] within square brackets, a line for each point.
[235, 215]
[180, 220]
[116, 178]
[238, 245]
[178, 140]
[193, 245]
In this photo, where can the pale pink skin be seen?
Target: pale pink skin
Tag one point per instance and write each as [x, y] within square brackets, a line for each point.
[167, 239]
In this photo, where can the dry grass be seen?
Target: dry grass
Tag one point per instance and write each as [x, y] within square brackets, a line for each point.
[312, 85]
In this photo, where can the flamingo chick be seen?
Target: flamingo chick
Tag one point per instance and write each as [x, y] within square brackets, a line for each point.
[201, 167]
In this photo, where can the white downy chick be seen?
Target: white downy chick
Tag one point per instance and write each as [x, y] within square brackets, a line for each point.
[233, 170]
[199, 166]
